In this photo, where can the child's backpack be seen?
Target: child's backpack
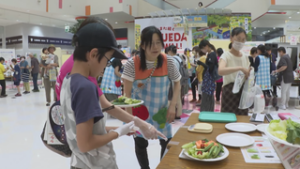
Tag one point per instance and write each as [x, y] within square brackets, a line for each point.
[54, 134]
[184, 81]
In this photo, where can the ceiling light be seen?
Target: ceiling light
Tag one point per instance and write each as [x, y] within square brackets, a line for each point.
[290, 17]
[263, 32]
[106, 19]
[116, 22]
[298, 12]
[41, 24]
[268, 31]
[274, 28]
[254, 27]
[53, 25]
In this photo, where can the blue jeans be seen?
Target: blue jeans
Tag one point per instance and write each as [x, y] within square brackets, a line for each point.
[34, 79]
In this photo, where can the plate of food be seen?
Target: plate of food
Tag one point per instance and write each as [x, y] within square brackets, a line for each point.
[125, 102]
[285, 132]
[205, 150]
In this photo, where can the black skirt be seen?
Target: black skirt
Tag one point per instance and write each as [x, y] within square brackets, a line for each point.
[207, 102]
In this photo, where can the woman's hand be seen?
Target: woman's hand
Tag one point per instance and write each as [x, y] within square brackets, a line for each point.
[246, 71]
[49, 66]
[171, 114]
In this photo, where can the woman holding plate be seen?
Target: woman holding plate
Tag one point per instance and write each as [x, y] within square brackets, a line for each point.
[147, 77]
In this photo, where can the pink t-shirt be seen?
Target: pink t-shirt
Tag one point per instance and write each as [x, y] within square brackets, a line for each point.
[64, 70]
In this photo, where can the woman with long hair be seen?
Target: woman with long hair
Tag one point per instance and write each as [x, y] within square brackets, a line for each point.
[194, 81]
[230, 63]
[146, 77]
[208, 84]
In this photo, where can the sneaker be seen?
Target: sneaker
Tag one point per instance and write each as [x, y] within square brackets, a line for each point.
[287, 106]
[48, 104]
[177, 118]
[2, 96]
[26, 92]
[36, 90]
[18, 95]
[282, 107]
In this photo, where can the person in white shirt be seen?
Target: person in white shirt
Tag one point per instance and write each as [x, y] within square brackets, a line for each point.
[230, 63]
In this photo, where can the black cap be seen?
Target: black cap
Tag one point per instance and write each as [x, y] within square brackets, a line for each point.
[98, 35]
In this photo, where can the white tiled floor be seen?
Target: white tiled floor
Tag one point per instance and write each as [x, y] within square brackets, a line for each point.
[21, 123]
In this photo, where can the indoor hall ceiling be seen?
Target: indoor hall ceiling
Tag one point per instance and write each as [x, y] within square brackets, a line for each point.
[10, 17]
[194, 3]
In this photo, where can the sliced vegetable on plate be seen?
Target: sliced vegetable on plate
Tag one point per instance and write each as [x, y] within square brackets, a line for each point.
[205, 150]
[125, 101]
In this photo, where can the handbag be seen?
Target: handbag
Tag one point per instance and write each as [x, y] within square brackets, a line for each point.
[54, 135]
[52, 75]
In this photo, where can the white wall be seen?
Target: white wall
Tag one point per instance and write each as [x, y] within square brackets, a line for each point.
[100, 7]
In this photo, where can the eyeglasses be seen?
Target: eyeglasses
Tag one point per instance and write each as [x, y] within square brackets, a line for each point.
[108, 61]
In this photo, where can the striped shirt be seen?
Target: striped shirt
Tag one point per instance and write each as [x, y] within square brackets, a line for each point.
[173, 72]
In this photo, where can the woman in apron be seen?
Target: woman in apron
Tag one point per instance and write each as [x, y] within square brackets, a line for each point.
[230, 63]
[263, 74]
[147, 77]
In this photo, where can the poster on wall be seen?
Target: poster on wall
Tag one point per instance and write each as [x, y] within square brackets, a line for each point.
[171, 35]
[243, 21]
[7, 54]
[190, 21]
[249, 45]
[137, 34]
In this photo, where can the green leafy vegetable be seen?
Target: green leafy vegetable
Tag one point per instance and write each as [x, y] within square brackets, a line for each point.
[293, 132]
[278, 129]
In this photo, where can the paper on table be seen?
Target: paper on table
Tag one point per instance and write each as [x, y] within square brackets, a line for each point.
[290, 156]
[260, 152]
[260, 117]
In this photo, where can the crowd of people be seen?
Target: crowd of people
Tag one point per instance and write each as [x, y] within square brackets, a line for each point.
[22, 72]
[161, 80]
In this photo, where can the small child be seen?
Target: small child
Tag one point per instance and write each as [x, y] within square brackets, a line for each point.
[46, 59]
[17, 75]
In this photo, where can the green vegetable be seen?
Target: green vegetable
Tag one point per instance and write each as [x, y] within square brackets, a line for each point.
[278, 129]
[208, 147]
[124, 100]
[188, 145]
[293, 132]
[255, 156]
[211, 151]
[216, 151]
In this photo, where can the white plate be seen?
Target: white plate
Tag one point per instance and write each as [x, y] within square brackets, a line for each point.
[241, 127]
[223, 156]
[279, 140]
[129, 105]
[235, 139]
[262, 127]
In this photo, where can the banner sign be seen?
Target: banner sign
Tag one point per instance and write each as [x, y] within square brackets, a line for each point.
[14, 40]
[45, 40]
[171, 35]
[190, 21]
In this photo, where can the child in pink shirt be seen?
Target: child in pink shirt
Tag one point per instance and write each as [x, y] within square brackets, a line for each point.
[64, 70]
